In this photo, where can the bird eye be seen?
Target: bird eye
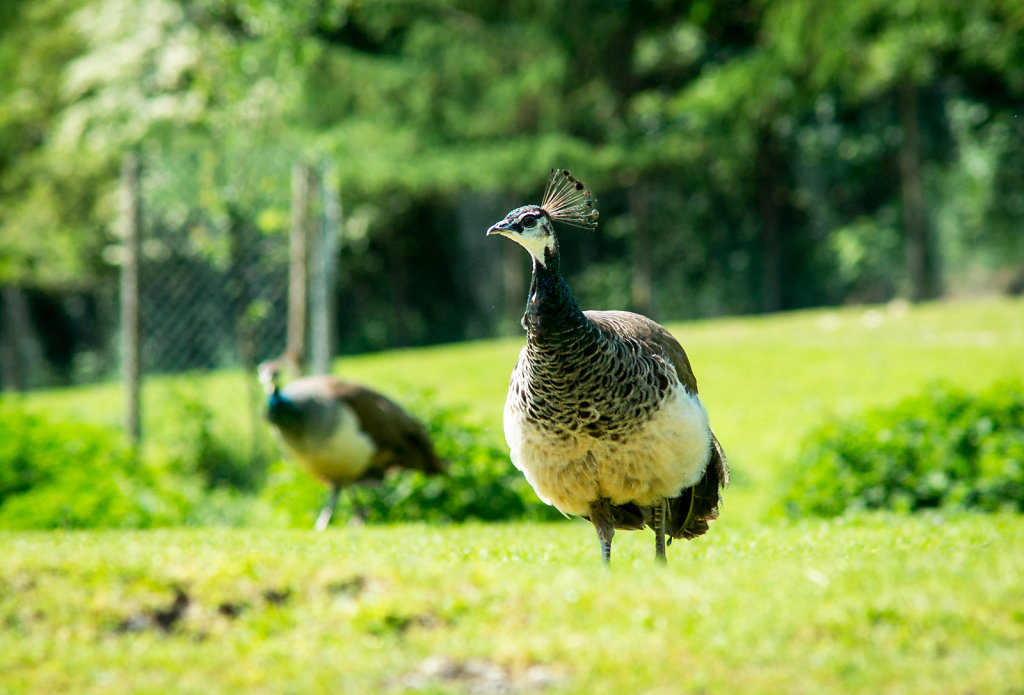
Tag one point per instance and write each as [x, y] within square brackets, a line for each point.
[529, 221]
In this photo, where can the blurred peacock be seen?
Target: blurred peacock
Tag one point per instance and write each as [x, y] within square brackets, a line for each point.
[343, 432]
[602, 414]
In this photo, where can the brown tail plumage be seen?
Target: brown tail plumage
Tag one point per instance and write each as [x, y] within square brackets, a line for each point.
[425, 459]
[690, 512]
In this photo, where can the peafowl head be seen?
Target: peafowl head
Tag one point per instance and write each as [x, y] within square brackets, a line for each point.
[281, 411]
[269, 372]
[532, 226]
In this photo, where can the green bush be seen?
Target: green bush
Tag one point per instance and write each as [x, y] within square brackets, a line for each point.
[200, 450]
[941, 448]
[480, 484]
[72, 475]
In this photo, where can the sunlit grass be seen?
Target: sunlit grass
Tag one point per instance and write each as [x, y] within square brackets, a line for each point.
[866, 604]
[873, 604]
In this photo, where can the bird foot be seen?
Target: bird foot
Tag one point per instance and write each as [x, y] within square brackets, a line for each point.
[603, 521]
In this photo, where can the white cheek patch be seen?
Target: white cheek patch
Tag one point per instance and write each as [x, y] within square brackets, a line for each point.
[536, 244]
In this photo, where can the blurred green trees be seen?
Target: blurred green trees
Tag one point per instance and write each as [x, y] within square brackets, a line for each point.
[747, 156]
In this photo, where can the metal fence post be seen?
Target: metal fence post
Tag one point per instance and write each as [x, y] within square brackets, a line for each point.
[298, 262]
[131, 222]
[324, 273]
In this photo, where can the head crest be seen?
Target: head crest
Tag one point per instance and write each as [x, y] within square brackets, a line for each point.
[268, 371]
[569, 201]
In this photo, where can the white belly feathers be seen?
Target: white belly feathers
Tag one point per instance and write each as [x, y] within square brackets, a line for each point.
[342, 457]
[666, 455]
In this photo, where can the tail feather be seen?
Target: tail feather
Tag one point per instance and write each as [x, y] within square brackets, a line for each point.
[690, 512]
[424, 458]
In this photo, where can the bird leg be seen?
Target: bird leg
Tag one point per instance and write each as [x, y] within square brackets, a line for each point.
[601, 518]
[328, 511]
[658, 524]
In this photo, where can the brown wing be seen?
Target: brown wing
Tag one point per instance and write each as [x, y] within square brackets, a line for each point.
[651, 335]
[690, 512]
[401, 438]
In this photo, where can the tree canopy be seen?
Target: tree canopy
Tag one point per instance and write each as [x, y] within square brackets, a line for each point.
[747, 156]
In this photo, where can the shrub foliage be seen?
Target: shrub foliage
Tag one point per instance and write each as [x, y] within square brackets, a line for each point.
[56, 474]
[72, 475]
[941, 448]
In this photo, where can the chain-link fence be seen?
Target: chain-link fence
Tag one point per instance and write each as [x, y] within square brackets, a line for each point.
[197, 313]
[192, 298]
[222, 297]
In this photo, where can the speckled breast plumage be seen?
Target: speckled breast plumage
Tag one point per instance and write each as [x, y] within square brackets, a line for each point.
[597, 418]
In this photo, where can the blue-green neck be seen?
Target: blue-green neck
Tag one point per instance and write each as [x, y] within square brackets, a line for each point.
[282, 412]
[551, 311]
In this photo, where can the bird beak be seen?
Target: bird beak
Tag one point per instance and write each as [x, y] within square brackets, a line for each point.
[268, 375]
[499, 228]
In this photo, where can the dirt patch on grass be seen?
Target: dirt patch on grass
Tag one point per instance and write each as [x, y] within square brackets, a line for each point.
[168, 617]
[231, 609]
[163, 618]
[480, 677]
[400, 623]
[353, 586]
[277, 597]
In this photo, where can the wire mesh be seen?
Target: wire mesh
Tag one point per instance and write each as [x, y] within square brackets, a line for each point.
[198, 314]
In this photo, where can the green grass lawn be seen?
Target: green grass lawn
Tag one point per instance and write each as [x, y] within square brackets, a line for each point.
[873, 604]
[867, 604]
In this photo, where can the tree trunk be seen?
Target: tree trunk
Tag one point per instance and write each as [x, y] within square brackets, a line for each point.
[918, 244]
[19, 350]
[640, 287]
[399, 272]
[769, 198]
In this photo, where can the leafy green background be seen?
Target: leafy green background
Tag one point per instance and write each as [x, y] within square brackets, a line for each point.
[746, 156]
